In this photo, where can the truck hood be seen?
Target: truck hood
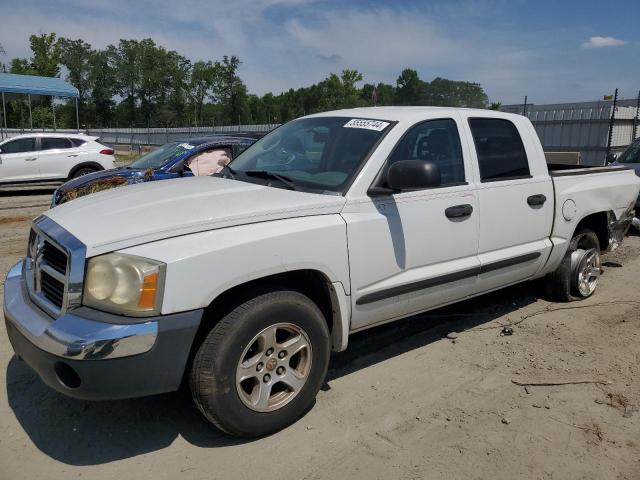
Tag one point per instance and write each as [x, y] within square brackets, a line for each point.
[137, 214]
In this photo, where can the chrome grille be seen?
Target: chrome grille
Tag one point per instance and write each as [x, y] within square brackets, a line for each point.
[54, 257]
[54, 267]
[52, 289]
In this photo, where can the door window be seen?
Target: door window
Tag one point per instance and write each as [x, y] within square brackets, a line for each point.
[50, 143]
[19, 145]
[77, 142]
[501, 154]
[434, 141]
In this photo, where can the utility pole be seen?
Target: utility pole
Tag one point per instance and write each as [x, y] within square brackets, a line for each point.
[524, 108]
[612, 122]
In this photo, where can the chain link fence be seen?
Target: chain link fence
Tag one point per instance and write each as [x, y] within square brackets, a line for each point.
[135, 139]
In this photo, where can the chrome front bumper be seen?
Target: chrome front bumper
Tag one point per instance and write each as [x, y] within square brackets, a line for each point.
[79, 334]
[94, 355]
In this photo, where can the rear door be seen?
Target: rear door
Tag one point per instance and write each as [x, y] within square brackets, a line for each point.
[414, 250]
[18, 160]
[57, 156]
[516, 200]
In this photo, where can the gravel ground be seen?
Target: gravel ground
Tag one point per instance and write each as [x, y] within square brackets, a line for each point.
[403, 402]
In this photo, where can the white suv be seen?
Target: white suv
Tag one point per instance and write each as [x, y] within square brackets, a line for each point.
[47, 157]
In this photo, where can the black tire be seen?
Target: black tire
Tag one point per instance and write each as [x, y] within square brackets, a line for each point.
[213, 372]
[560, 284]
[83, 171]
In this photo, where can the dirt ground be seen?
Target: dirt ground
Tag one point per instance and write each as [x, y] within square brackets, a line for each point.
[403, 402]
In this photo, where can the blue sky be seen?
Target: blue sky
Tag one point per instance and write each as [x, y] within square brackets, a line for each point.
[552, 51]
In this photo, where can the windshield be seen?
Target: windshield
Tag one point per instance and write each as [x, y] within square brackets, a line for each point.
[631, 154]
[163, 155]
[322, 153]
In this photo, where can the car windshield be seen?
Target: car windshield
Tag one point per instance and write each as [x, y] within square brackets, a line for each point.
[320, 154]
[163, 155]
[631, 154]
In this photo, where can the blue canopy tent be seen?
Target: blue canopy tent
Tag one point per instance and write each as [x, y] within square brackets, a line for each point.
[33, 85]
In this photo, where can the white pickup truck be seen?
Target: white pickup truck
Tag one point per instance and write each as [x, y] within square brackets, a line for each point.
[241, 284]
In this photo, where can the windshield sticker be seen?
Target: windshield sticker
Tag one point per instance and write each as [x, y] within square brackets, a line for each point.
[376, 125]
[186, 146]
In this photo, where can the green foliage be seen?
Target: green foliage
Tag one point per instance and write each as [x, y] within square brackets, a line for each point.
[46, 55]
[138, 83]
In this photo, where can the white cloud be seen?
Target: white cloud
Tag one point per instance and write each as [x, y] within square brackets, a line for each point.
[601, 42]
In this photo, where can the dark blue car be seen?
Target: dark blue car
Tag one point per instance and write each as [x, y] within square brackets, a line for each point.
[164, 163]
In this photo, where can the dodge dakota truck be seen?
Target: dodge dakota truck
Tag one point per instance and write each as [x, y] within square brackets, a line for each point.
[239, 285]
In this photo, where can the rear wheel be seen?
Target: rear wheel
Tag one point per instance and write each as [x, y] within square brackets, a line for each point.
[260, 368]
[83, 171]
[578, 275]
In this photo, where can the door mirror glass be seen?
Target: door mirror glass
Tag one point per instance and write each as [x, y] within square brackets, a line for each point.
[413, 175]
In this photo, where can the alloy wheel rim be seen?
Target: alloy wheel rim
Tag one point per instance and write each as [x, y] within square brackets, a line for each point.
[274, 367]
[589, 271]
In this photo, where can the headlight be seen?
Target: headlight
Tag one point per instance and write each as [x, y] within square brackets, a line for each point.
[124, 284]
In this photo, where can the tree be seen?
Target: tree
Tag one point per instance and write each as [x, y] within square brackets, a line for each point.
[46, 55]
[3, 66]
[203, 79]
[349, 78]
[104, 84]
[140, 83]
[450, 93]
[76, 56]
[231, 91]
[409, 88]
[128, 78]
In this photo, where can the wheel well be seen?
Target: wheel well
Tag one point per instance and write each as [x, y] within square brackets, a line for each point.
[93, 165]
[599, 223]
[311, 283]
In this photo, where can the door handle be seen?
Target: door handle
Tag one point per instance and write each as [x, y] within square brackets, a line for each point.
[74, 155]
[31, 159]
[459, 211]
[534, 200]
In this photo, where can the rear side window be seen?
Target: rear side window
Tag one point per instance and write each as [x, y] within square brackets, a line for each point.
[77, 142]
[50, 143]
[19, 145]
[501, 154]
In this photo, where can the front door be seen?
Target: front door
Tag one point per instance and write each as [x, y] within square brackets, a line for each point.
[411, 251]
[18, 160]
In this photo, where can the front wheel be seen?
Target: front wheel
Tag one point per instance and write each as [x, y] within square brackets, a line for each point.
[578, 275]
[260, 368]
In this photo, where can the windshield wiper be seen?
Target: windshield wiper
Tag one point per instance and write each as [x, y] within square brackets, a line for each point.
[267, 174]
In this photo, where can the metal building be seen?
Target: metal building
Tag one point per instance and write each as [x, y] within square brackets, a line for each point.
[582, 127]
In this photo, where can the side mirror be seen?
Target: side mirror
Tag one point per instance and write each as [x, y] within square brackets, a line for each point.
[413, 175]
[612, 157]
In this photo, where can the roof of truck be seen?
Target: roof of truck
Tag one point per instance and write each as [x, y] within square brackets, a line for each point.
[406, 113]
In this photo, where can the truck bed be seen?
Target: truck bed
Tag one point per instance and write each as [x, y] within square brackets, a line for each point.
[561, 170]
